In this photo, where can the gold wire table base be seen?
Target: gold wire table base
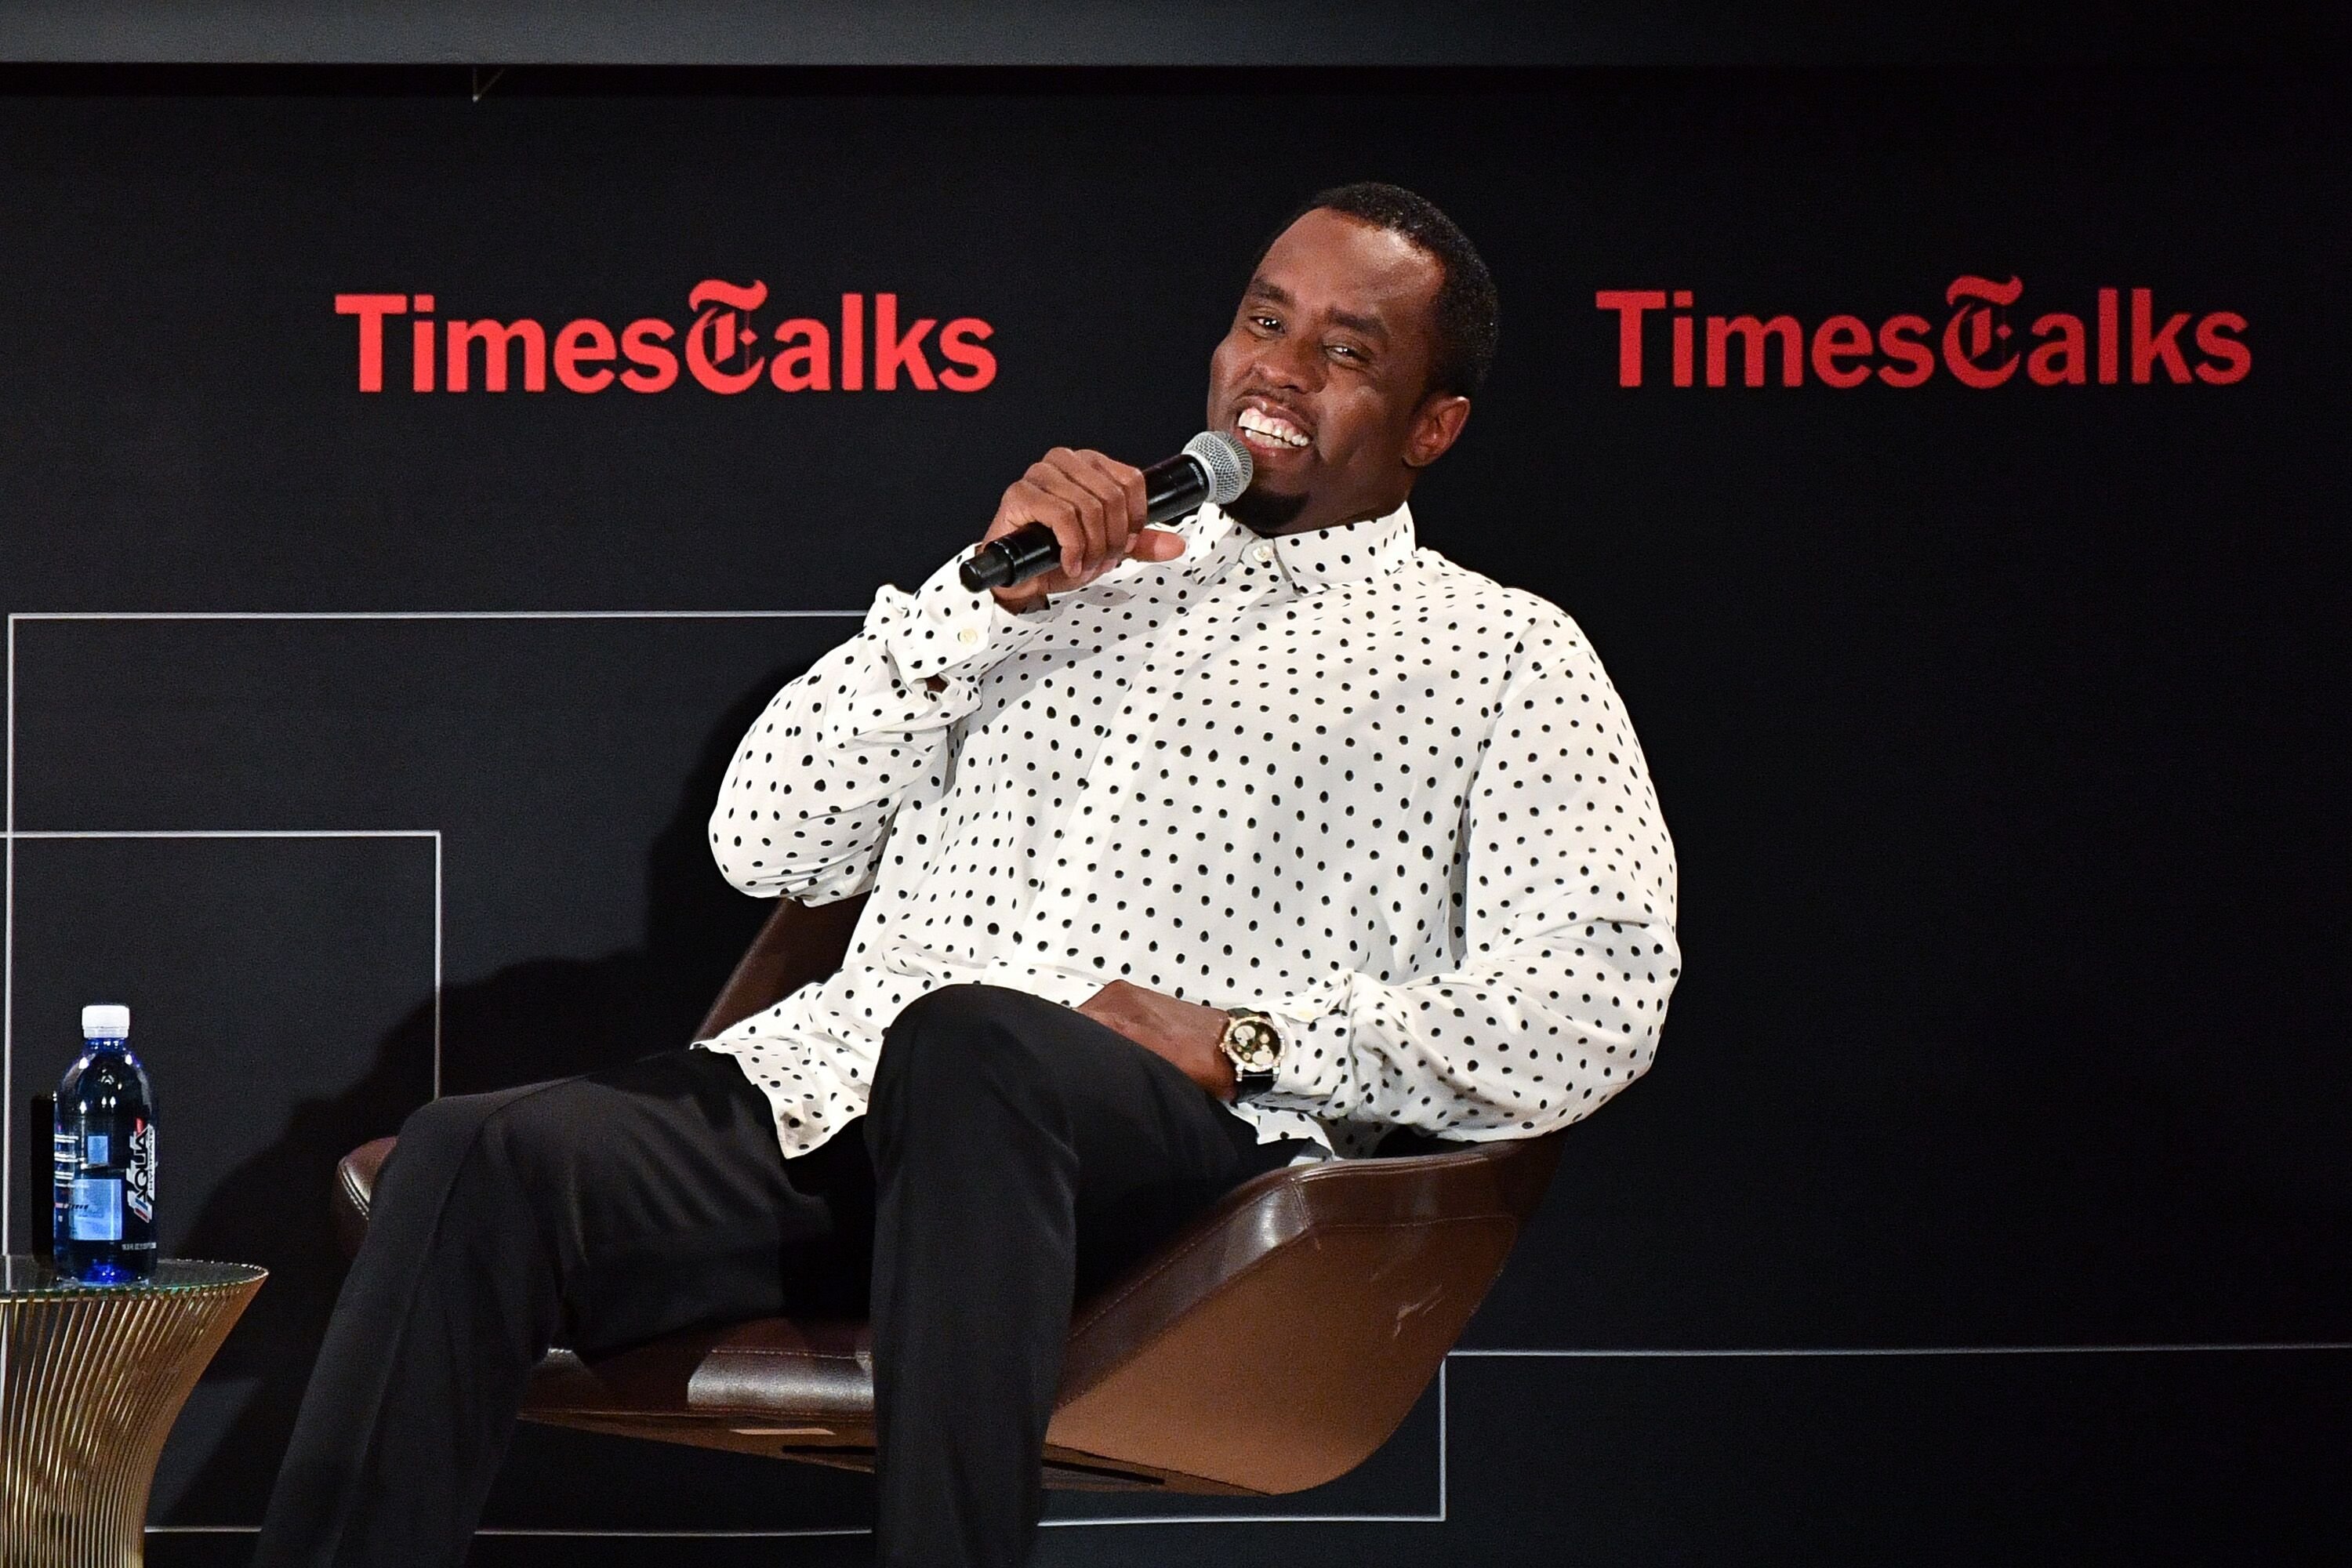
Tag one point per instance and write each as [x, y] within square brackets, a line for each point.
[91, 1378]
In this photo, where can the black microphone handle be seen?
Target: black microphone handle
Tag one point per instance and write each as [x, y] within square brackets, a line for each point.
[1171, 489]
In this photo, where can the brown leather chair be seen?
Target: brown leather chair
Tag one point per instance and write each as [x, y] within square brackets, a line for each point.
[1271, 1346]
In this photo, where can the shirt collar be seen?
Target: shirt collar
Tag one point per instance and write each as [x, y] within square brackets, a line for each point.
[1320, 557]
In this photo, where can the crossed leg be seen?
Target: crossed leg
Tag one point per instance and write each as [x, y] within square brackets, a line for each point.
[1015, 1154]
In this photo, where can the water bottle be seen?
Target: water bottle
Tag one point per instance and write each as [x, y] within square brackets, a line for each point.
[103, 1146]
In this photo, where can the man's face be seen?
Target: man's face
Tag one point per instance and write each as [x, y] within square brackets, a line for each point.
[1324, 375]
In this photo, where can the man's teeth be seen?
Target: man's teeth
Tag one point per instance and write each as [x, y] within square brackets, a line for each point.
[1273, 429]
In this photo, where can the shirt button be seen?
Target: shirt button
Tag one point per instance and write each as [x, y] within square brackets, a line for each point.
[1262, 554]
[969, 634]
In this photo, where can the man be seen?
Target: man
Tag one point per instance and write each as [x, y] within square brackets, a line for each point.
[1217, 847]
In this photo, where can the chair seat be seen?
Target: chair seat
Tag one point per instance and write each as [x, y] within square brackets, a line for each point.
[1270, 1346]
[779, 1372]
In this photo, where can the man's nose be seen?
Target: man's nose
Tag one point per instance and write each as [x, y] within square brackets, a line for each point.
[1290, 362]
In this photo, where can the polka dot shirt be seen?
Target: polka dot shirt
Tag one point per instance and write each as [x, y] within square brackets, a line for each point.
[1329, 774]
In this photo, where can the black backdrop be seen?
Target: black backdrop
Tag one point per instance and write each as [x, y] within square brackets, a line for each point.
[362, 742]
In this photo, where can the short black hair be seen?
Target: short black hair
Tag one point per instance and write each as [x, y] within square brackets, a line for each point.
[1466, 311]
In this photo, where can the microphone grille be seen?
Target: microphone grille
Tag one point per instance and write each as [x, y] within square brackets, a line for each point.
[1227, 462]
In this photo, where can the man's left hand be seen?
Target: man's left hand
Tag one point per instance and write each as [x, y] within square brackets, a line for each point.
[1185, 1033]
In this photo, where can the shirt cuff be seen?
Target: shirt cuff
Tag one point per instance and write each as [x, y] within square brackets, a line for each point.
[1316, 1072]
[944, 626]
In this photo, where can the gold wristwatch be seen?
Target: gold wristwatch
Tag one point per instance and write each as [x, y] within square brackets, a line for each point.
[1254, 1047]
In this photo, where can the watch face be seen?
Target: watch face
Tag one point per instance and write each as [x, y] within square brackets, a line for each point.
[1255, 1045]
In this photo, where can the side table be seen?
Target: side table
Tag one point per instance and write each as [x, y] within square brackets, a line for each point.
[91, 1378]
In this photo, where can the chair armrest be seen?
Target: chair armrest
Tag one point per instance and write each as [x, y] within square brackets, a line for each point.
[1282, 1337]
[355, 1175]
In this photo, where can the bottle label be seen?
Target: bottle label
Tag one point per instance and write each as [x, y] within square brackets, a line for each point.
[140, 1180]
[97, 1213]
[95, 1147]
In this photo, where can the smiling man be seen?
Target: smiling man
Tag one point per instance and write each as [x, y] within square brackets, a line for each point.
[1253, 840]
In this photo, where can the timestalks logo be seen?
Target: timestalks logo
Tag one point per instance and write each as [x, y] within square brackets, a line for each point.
[1978, 344]
[717, 350]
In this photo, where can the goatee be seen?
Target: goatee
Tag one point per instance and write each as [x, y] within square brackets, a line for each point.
[1262, 511]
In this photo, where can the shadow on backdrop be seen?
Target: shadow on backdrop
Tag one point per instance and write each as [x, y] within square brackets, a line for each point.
[543, 1018]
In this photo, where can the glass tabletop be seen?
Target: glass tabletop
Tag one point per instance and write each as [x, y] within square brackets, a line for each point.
[23, 1277]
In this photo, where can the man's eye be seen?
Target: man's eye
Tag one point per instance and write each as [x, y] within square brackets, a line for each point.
[1268, 322]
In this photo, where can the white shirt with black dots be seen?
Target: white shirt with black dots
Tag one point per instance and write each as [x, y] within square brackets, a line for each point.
[1328, 774]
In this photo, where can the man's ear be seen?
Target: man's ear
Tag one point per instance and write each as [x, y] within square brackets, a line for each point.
[1435, 426]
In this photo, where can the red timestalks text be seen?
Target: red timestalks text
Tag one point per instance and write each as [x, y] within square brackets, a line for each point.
[646, 354]
[1977, 347]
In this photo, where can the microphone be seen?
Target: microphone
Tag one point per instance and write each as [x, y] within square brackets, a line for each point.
[1211, 467]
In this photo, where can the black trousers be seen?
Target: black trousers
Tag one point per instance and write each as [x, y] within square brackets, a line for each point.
[1014, 1154]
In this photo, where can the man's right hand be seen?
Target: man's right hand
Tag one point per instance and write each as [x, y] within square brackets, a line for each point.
[1095, 507]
